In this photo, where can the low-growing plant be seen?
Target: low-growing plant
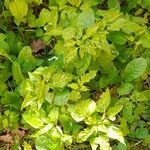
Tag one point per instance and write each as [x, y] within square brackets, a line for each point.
[74, 74]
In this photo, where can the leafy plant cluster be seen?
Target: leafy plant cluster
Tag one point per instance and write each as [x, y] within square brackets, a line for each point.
[90, 86]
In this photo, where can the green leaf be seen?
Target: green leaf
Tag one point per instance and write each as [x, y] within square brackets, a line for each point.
[43, 17]
[145, 40]
[13, 40]
[62, 97]
[117, 37]
[145, 95]
[109, 16]
[53, 115]
[3, 88]
[147, 139]
[4, 54]
[132, 4]
[125, 89]
[26, 59]
[146, 4]
[91, 31]
[82, 64]
[60, 79]
[117, 25]
[102, 140]
[75, 2]
[74, 95]
[29, 99]
[82, 109]
[5, 71]
[17, 73]
[25, 87]
[129, 27]
[40, 91]
[115, 133]
[45, 143]
[121, 146]
[70, 54]
[4, 45]
[67, 122]
[11, 99]
[2, 36]
[113, 4]
[141, 133]
[104, 101]
[43, 130]
[134, 69]
[87, 77]
[18, 8]
[84, 135]
[33, 121]
[113, 111]
[86, 18]
[68, 33]
[27, 146]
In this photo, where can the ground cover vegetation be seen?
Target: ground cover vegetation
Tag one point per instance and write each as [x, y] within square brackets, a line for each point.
[75, 74]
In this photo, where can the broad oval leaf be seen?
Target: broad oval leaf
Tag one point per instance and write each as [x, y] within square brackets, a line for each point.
[134, 69]
[35, 122]
[103, 141]
[62, 97]
[68, 33]
[84, 135]
[26, 59]
[83, 109]
[60, 79]
[44, 142]
[112, 111]
[18, 8]
[125, 88]
[87, 77]
[43, 130]
[29, 99]
[86, 18]
[115, 133]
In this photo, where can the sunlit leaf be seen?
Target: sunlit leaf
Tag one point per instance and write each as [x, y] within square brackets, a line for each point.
[18, 8]
[27, 146]
[60, 79]
[85, 134]
[43, 130]
[83, 109]
[103, 141]
[112, 111]
[87, 77]
[33, 121]
[115, 133]
[29, 99]
[104, 101]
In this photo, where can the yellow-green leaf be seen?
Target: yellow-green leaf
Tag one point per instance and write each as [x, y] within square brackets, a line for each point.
[18, 8]
[104, 101]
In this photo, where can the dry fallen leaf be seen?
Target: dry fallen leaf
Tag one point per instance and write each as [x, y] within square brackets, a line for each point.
[6, 139]
[37, 45]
